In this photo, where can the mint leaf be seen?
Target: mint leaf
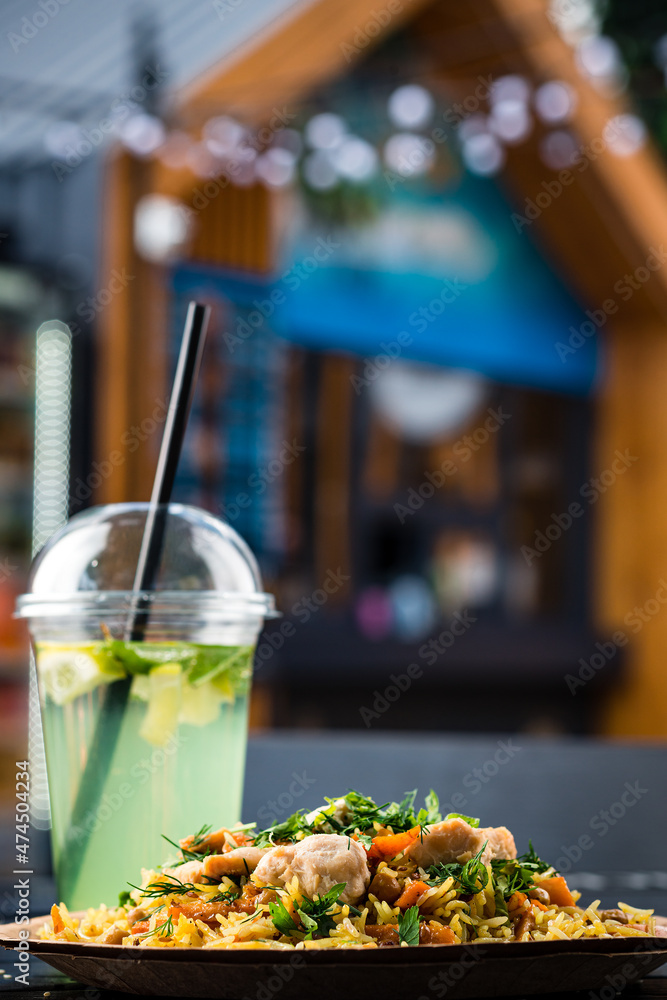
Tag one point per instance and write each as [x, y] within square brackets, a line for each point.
[211, 661]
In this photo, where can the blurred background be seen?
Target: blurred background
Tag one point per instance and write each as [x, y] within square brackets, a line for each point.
[433, 394]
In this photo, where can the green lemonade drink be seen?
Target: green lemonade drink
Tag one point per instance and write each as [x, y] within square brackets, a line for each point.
[187, 704]
[144, 740]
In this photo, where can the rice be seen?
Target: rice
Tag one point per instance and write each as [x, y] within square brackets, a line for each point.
[480, 897]
[472, 918]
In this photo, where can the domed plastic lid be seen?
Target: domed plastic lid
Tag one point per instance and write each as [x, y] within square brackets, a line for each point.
[91, 563]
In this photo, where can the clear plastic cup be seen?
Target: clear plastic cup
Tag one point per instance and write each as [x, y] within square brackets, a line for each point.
[144, 739]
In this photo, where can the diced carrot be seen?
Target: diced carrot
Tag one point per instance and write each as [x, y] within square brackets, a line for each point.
[516, 900]
[432, 934]
[58, 923]
[541, 906]
[557, 890]
[394, 843]
[411, 893]
[140, 927]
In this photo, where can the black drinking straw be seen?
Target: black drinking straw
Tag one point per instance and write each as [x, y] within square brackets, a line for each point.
[110, 719]
[150, 553]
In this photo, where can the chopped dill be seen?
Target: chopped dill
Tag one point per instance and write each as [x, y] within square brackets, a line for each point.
[163, 930]
[200, 835]
[187, 854]
[224, 897]
[166, 888]
[362, 816]
[472, 877]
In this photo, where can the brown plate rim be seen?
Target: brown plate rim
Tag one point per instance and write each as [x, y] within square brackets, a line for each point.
[392, 955]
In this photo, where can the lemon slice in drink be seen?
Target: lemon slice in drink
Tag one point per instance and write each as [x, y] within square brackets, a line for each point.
[141, 687]
[201, 704]
[164, 704]
[69, 671]
[224, 688]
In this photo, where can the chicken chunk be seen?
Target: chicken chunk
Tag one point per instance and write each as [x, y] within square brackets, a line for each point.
[215, 841]
[240, 861]
[275, 864]
[500, 843]
[456, 840]
[191, 871]
[319, 862]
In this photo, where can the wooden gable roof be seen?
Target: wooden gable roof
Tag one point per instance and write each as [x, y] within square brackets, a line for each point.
[603, 221]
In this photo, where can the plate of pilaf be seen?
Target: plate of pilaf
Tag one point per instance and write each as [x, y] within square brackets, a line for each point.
[349, 897]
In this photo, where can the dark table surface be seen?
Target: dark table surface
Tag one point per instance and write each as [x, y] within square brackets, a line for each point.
[44, 980]
[561, 793]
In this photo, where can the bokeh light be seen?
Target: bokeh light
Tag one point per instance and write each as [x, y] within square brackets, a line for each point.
[319, 171]
[325, 131]
[483, 154]
[142, 134]
[510, 120]
[355, 159]
[555, 101]
[411, 107]
[408, 154]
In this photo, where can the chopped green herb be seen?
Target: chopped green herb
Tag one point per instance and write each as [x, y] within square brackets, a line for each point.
[319, 910]
[501, 905]
[361, 814]
[200, 835]
[431, 814]
[472, 876]
[242, 827]
[164, 930]
[187, 854]
[314, 914]
[281, 918]
[408, 926]
[517, 875]
[308, 922]
[470, 820]
[531, 861]
[287, 830]
[124, 898]
[224, 897]
[169, 886]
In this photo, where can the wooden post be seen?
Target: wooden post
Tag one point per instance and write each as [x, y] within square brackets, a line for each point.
[332, 534]
[132, 341]
[631, 549]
